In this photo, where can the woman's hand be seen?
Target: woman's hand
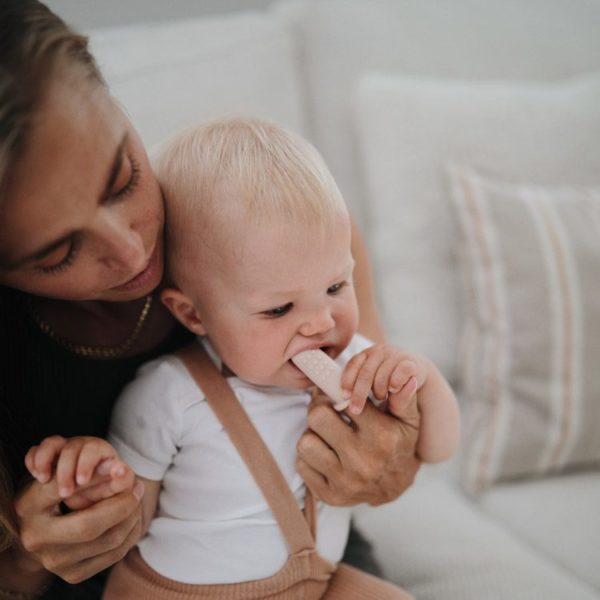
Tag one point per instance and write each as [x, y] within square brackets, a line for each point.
[372, 461]
[79, 544]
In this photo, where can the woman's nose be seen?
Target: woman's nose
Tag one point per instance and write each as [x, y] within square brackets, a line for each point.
[319, 322]
[122, 246]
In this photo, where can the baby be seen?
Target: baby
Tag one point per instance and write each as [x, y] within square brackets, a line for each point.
[261, 269]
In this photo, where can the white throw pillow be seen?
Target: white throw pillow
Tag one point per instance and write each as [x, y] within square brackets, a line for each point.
[532, 349]
[171, 75]
[546, 132]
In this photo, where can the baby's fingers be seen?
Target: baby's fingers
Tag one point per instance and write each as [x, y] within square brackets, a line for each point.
[401, 375]
[385, 379]
[350, 373]
[403, 397]
[40, 459]
[95, 454]
[122, 477]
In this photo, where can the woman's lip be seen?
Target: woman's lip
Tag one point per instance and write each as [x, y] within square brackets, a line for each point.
[141, 279]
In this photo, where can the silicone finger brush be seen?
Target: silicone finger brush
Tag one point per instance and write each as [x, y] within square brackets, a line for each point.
[324, 372]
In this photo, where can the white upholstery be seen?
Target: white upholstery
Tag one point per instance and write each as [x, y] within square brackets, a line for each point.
[437, 544]
[546, 513]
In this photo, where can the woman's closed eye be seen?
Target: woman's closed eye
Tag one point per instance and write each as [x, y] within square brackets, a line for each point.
[278, 311]
[60, 257]
[126, 180]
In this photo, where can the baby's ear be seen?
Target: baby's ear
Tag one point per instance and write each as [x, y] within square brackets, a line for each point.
[183, 309]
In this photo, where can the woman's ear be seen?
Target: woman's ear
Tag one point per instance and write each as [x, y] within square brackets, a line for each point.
[183, 309]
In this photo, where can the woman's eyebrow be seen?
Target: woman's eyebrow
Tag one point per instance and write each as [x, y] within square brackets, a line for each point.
[49, 248]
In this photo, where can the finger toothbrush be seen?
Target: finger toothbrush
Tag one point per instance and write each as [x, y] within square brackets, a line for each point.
[325, 373]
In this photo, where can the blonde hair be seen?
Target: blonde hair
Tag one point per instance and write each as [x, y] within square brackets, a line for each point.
[249, 168]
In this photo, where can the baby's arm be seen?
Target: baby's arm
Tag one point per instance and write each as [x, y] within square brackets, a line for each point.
[87, 469]
[395, 374]
[439, 431]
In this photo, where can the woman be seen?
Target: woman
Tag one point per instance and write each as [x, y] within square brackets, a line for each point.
[81, 256]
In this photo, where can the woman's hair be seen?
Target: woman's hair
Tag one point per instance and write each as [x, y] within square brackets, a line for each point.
[8, 531]
[36, 48]
[241, 167]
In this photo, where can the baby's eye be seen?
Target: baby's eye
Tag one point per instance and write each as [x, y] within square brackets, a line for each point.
[278, 311]
[336, 288]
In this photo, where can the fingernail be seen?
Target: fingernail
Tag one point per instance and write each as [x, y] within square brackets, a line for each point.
[138, 490]
[104, 467]
[393, 390]
[63, 492]
[346, 394]
[120, 471]
[355, 409]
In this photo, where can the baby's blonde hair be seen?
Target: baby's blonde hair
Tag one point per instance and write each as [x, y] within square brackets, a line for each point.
[243, 168]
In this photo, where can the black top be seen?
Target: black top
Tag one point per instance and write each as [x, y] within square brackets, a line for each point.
[45, 389]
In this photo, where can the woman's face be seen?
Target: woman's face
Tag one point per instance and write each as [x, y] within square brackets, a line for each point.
[82, 217]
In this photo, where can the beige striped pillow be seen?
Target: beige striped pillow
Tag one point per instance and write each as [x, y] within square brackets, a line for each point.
[531, 349]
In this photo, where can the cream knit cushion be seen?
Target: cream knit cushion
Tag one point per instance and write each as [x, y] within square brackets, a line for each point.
[531, 360]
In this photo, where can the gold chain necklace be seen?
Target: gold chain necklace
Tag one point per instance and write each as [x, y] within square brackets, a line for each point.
[94, 351]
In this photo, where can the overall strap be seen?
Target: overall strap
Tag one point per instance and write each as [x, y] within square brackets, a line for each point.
[252, 449]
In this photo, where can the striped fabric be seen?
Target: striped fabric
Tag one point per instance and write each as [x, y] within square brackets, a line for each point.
[531, 346]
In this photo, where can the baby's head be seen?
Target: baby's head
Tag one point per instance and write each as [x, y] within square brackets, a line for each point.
[258, 246]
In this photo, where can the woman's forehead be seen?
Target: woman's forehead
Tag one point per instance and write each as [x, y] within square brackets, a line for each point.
[64, 165]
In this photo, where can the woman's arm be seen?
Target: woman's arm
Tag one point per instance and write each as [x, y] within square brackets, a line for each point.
[370, 324]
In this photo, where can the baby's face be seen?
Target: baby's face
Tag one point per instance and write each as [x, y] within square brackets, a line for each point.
[278, 291]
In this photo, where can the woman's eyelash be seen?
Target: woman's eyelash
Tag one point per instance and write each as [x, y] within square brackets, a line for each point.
[133, 179]
[66, 261]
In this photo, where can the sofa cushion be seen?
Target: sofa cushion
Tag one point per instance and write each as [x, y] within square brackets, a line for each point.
[557, 517]
[532, 349]
[436, 543]
[408, 127]
[173, 74]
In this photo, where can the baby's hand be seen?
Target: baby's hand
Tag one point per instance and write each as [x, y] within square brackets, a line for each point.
[87, 469]
[385, 370]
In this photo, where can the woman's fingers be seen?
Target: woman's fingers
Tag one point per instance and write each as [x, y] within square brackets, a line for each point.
[315, 480]
[73, 545]
[76, 562]
[375, 458]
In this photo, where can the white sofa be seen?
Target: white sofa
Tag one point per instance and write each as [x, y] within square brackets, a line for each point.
[389, 90]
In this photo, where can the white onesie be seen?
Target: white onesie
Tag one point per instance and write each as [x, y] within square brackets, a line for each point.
[213, 524]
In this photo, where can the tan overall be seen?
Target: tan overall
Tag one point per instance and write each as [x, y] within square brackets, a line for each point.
[305, 575]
